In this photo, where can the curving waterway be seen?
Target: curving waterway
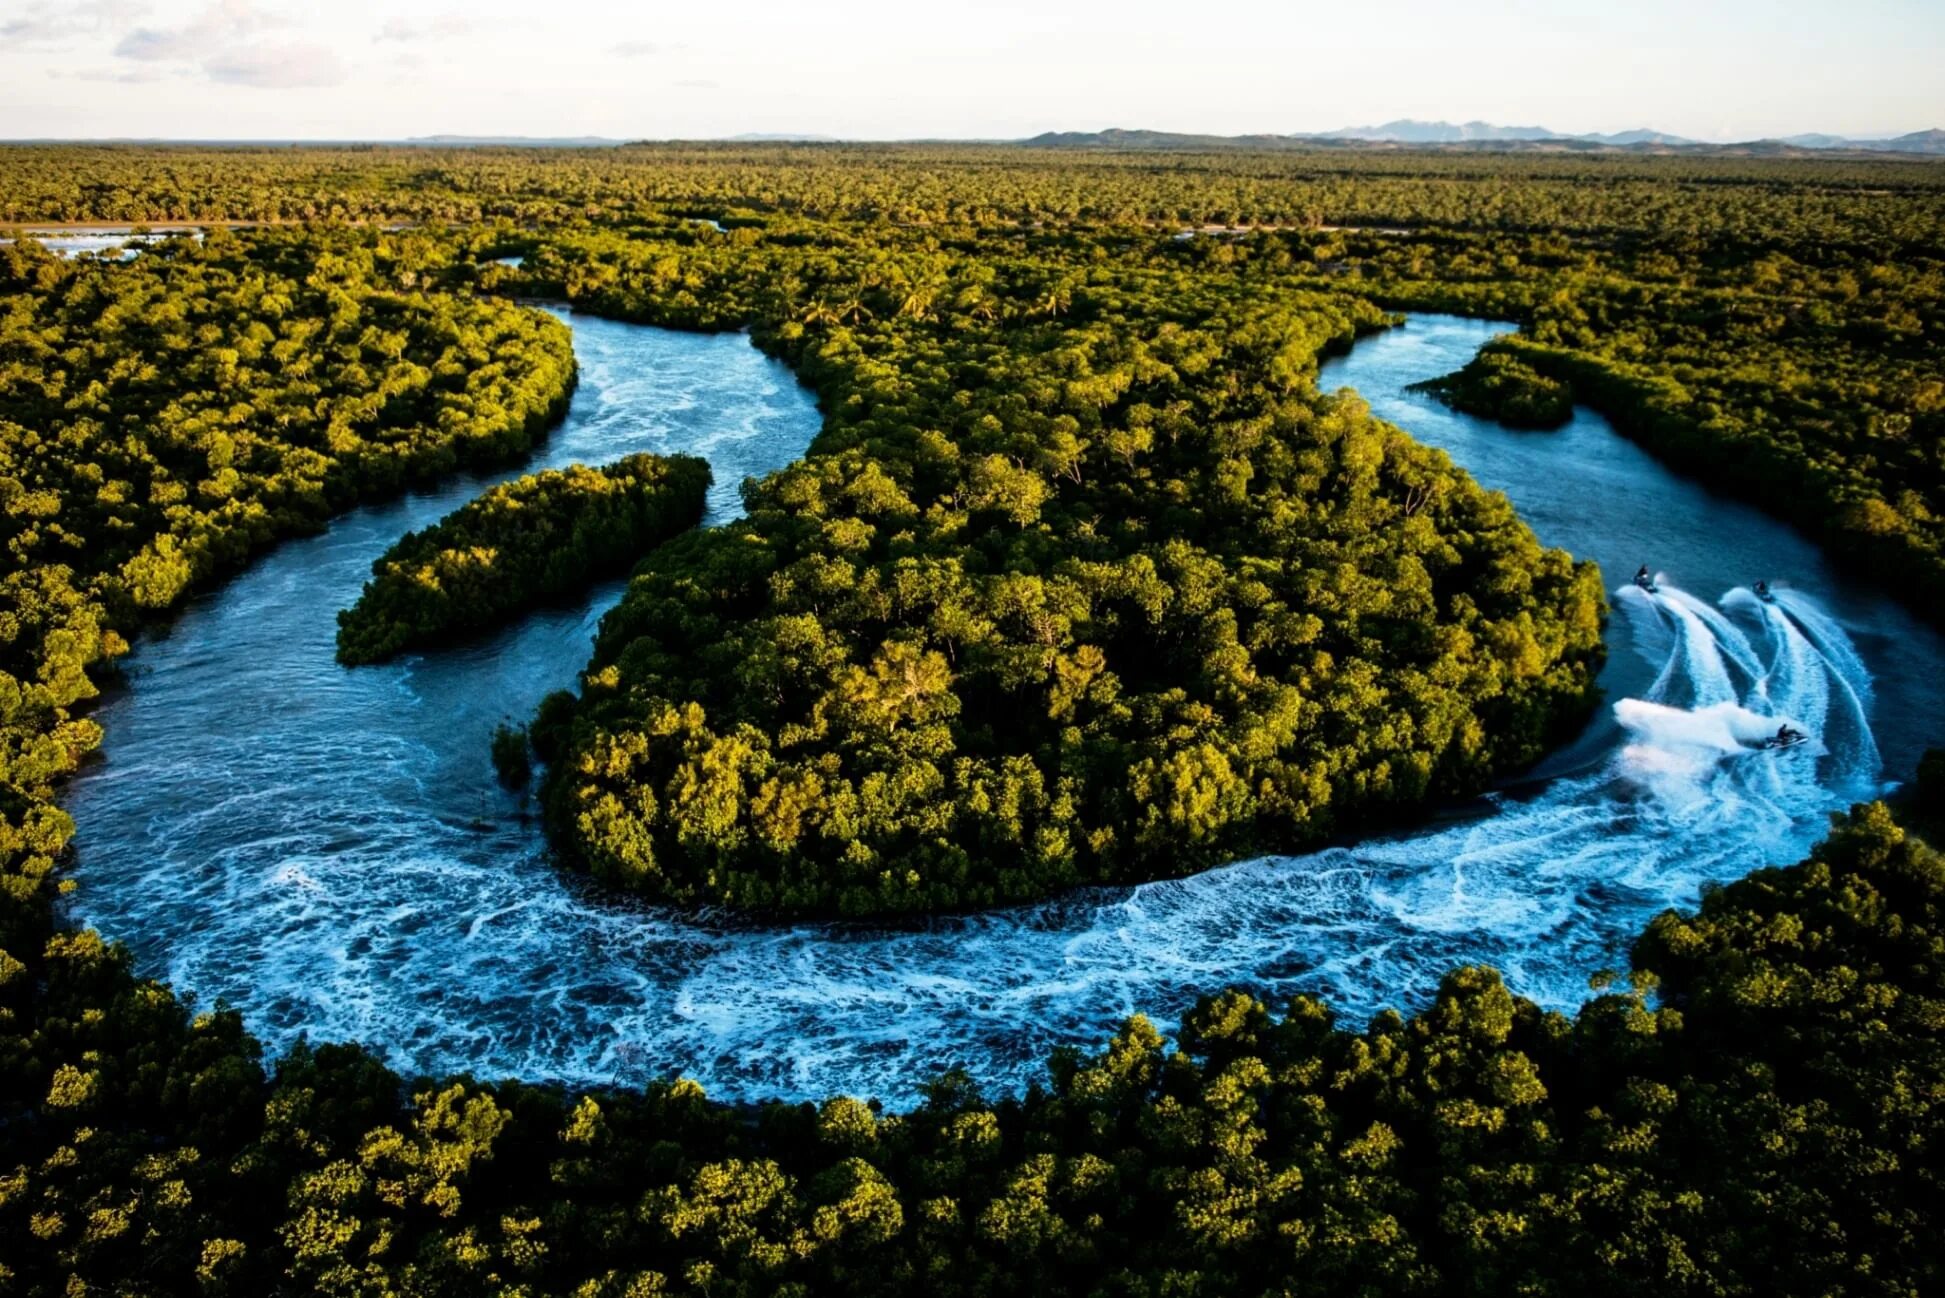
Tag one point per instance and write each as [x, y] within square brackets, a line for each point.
[326, 849]
[123, 242]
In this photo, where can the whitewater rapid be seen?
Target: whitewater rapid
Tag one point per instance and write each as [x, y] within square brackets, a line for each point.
[332, 857]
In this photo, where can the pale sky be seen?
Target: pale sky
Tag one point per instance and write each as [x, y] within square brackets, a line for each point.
[903, 69]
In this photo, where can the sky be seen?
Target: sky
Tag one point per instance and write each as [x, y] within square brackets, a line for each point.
[906, 69]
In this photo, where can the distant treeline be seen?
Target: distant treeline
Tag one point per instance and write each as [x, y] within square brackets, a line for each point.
[952, 187]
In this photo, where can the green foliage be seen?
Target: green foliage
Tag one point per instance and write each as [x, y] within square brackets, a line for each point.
[1755, 1117]
[537, 538]
[1798, 368]
[1082, 582]
[1497, 384]
[166, 418]
[952, 187]
[1082, 573]
[512, 761]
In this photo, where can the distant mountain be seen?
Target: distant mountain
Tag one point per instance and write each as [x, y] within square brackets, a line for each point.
[1642, 136]
[1930, 142]
[780, 137]
[1116, 138]
[1407, 133]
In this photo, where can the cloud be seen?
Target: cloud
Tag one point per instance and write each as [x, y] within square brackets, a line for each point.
[125, 76]
[36, 30]
[219, 25]
[57, 24]
[444, 27]
[699, 85]
[148, 45]
[634, 49]
[219, 43]
[277, 67]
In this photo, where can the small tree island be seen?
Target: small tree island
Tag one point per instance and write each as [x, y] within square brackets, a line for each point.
[521, 544]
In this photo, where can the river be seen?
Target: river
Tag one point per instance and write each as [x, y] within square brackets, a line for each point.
[123, 242]
[269, 830]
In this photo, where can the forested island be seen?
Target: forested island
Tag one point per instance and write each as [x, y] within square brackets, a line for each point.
[1497, 384]
[1079, 584]
[536, 538]
[1083, 581]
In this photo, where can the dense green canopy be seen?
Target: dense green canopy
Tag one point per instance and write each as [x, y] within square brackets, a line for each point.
[163, 419]
[524, 542]
[1082, 580]
[1761, 1115]
[1496, 384]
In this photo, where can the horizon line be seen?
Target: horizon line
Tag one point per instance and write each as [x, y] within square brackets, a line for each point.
[1349, 134]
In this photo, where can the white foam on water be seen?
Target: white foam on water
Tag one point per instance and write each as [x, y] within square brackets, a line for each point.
[1821, 630]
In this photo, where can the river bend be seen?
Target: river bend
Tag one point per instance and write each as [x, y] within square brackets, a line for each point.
[271, 831]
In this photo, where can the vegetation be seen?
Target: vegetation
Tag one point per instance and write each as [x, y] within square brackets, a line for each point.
[948, 190]
[512, 756]
[1083, 580]
[1799, 372]
[1769, 325]
[163, 419]
[1497, 384]
[1758, 1115]
[520, 544]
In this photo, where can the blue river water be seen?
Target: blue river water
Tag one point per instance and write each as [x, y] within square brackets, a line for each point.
[327, 850]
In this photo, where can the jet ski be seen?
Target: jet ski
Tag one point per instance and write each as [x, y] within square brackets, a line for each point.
[1763, 593]
[1785, 737]
[1645, 579]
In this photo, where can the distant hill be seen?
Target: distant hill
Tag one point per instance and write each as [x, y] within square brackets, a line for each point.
[1160, 140]
[1641, 136]
[1932, 141]
[1927, 142]
[1421, 135]
[1407, 133]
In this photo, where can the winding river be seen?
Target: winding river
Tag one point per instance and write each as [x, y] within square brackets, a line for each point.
[327, 850]
[122, 242]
